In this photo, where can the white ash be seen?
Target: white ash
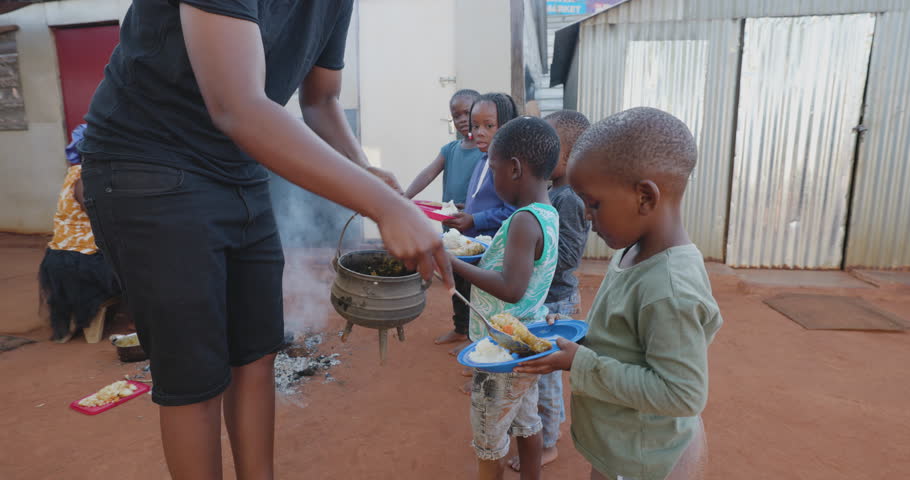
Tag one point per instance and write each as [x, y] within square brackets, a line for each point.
[289, 371]
[312, 341]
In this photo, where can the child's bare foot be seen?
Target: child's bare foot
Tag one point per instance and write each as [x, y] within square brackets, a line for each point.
[450, 337]
[467, 372]
[549, 455]
[455, 351]
[466, 388]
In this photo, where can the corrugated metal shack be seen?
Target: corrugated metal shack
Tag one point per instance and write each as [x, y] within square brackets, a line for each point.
[801, 111]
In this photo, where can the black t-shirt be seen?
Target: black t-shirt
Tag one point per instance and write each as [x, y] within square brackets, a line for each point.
[148, 108]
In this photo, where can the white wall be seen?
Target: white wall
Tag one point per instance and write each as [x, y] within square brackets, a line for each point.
[404, 107]
[404, 47]
[416, 42]
[32, 161]
[483, 60]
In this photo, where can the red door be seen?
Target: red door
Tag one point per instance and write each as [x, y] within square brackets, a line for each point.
[82, 53]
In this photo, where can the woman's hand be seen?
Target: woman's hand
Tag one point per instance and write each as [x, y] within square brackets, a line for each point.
[387, 177]
[461, 222]
[409, 236]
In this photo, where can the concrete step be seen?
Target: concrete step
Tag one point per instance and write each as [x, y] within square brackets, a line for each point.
[549, 93]
[552, 104]
[799, 279]
[883, 278]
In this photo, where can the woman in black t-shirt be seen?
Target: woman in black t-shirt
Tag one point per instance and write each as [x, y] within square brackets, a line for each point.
[189, 111]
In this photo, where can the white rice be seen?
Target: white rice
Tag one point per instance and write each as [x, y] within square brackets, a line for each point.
[448, 208]
[488, 352]
[453, 239]
[460, 245]
[484, 239]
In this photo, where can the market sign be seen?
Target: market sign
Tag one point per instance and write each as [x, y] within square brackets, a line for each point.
[570, 7]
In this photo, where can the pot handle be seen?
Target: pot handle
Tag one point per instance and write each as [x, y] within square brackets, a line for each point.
[425, 284]
[340, 241]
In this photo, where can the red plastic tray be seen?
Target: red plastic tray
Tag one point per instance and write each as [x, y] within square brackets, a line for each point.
[140, 389]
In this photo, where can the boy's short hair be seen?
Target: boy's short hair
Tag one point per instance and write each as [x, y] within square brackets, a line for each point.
[569, 126]
[531, 140]
[641, 142]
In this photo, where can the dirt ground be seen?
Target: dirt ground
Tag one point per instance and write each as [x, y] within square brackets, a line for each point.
[785, 403]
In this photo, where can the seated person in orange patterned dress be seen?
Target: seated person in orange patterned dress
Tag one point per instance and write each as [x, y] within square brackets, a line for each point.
[75, 280]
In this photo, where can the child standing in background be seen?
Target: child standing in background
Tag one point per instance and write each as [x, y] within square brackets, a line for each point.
[513, 277]
[484, 210]
[456, 159]
[640, 381]
[563, 299]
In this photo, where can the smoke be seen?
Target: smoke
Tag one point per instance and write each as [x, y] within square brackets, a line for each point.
[310, 228]
[306, 295]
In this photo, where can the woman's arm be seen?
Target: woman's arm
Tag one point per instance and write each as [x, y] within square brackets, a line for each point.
[426, 176]
[227, 57]
[509, 285]
[322, 111]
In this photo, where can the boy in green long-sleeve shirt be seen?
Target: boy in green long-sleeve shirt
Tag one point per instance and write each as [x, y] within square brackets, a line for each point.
[640, 380]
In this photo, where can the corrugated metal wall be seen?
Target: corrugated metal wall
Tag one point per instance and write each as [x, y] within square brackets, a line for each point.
[642, 11]
[879, 234]
[794, 140]
[621, 66]
[879, 224]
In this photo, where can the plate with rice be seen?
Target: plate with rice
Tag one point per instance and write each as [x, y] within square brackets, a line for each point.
[465, 248]
[486, 355]
[438, 211]
[109, 397]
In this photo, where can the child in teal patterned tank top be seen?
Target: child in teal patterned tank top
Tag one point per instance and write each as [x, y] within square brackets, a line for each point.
[514, 276]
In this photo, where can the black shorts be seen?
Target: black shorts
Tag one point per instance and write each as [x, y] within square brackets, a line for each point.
[200, 263]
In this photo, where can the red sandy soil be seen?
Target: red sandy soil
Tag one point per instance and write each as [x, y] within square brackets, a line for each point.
[785, 403]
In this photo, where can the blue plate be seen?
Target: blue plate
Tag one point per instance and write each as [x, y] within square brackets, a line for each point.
[473, 258]
[572, 330]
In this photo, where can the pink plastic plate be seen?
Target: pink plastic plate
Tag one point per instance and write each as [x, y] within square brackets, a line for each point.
[140, 389]
[433, 212]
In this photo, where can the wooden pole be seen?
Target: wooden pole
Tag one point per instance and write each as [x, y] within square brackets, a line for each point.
[517, 17]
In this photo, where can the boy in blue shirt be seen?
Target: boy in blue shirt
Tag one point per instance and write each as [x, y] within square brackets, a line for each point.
[456, 159]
